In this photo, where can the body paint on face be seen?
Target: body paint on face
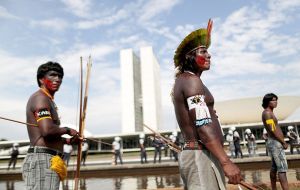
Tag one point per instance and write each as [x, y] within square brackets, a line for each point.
[49, 85]
[200, 60]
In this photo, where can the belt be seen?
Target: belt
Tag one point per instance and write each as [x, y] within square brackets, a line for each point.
[44, 150]
[193, 145]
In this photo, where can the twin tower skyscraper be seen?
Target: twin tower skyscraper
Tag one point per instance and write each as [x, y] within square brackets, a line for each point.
[140, 90]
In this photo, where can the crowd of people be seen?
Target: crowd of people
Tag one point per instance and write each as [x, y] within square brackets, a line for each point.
[233, 139]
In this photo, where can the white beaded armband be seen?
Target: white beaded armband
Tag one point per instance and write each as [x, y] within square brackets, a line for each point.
[202, 113]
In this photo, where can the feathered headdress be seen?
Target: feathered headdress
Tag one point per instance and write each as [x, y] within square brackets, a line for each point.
[200, 37]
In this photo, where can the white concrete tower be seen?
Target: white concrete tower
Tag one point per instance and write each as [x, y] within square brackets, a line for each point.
[151, 91]
[132, 115]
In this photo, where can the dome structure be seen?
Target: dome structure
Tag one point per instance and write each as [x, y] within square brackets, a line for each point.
[249, 110]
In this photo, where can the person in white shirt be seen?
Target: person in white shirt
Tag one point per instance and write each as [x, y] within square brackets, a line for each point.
[117, 150]
[293, 139]
[67, 153]
[229, 139]
[85, 148]
[251, 144]
[143, 149]
[174, 140]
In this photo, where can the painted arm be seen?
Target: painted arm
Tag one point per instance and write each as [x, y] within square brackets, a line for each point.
[271, 127]
[200, 115]
[44, 118]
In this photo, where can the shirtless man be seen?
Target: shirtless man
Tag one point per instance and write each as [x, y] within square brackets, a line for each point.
[275, 142]
[203, 159]
[43, 167]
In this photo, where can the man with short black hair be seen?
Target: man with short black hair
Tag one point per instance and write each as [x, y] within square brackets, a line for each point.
[43, 167]
[275, 144]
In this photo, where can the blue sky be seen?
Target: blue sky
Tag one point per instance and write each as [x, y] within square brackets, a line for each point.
[255, 49]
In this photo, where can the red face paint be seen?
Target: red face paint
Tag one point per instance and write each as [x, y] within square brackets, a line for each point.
[52, 81]
[49, 85]
[200, 60]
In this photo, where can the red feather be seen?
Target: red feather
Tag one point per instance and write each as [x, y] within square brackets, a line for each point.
[209, 28]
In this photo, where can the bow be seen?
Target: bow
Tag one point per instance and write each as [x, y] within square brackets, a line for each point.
[82, 115]
[167, 141]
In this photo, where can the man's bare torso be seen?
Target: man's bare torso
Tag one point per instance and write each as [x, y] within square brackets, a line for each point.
[35, 133]
[278, 129]
[186, 125]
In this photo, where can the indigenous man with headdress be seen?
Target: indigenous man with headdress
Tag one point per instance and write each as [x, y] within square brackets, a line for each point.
[43, 167]
[203, 161]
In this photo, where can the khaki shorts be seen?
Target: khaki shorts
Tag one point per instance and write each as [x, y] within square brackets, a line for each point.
[200, 170]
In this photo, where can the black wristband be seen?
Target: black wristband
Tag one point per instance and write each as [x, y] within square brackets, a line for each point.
[68, 130]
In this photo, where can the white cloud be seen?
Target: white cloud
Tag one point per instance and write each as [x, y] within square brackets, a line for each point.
[282, 45]
[55, 24]
[104, 114]
[94, 23]
[111, 15]
[4, 13]
[162, 30]
[243, 63]
[292, 69]
[80, 8]
[279, 6]
[71, 58]
[13, 109]
[246, 43]
[12, 64]
[129, 13]
[156, 7]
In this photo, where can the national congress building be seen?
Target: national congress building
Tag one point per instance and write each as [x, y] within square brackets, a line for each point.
[140, 90]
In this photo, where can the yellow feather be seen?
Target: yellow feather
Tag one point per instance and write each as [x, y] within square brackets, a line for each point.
[59, 166]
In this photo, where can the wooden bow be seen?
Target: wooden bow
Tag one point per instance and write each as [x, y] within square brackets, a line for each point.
[82, 116]
[172, 145]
